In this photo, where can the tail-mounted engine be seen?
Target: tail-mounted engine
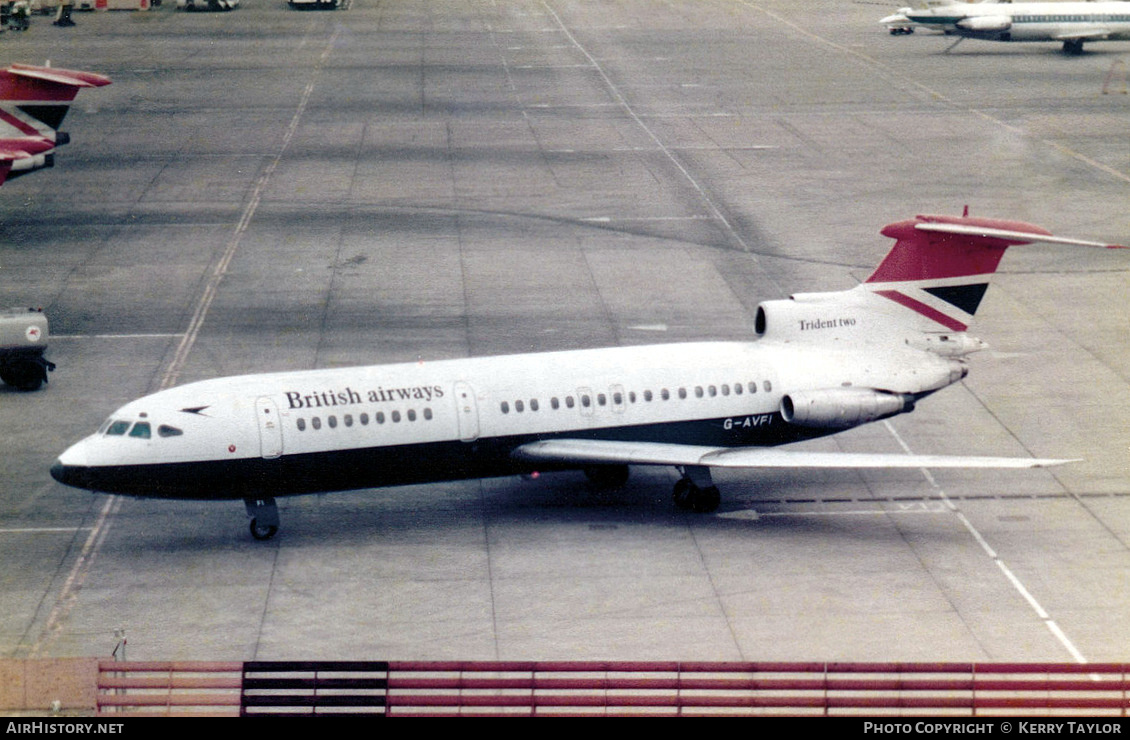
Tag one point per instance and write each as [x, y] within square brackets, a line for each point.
[840, 408]
[854, 316]
[813, 316]
[31, 164]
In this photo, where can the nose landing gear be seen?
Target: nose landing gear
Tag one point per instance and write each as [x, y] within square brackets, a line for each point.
[264, 517]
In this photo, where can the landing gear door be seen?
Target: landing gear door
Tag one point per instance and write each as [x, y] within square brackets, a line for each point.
[468, 412]
[270, 428]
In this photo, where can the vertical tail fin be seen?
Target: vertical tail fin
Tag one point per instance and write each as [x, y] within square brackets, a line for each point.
[939, 267]
[923, 294]
[33, 103]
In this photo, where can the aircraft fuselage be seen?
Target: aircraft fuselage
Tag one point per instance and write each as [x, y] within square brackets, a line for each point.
[340, 429]
[1071, 22]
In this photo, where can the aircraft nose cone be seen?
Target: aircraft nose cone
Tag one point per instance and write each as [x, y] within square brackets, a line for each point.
[70, 475]
[70, 468]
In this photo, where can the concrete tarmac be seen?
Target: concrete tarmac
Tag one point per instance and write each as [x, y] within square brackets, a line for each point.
[268, 189]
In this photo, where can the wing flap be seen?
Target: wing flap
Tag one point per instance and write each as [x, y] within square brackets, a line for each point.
[596, 452]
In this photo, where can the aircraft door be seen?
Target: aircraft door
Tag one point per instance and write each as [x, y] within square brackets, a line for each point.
[468, 412]
[270, 428]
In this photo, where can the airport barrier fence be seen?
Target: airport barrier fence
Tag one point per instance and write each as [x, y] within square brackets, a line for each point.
[551, 688]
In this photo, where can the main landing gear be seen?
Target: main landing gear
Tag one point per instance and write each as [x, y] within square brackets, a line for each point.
[1073, 47]
[696, 491]
[264, 517]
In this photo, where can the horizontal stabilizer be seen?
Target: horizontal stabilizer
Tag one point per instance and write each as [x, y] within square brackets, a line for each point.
[69, 77]
[1013, 236]
[597, 452]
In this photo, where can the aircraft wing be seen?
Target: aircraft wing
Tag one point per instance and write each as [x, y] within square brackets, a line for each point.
[1082, 33]
[602, 452]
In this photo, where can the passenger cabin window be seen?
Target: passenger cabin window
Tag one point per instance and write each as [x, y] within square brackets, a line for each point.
[315, 422]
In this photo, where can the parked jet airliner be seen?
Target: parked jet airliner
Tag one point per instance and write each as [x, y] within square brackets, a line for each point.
[1071, 22]
[823, 362]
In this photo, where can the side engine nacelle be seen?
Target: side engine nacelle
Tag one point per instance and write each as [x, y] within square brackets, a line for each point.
[985, 23]
[840, 408]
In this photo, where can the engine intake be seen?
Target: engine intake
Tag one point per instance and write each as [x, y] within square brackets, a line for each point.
[840, 408]
[821, 317]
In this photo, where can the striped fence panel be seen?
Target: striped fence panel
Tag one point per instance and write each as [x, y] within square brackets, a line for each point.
[622, 688]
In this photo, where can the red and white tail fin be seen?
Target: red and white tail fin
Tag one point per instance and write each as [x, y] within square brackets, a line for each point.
[922, 295]
[33, 103]
[939, 267]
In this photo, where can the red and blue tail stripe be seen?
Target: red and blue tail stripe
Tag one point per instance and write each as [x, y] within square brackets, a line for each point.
[940, 266]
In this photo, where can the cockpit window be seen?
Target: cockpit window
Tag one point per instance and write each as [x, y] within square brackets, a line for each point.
[139, 430]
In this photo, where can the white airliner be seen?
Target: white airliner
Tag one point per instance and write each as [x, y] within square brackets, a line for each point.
[1071, 23]
[822, 363]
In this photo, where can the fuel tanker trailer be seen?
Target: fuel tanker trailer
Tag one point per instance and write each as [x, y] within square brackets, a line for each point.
[23, 341]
